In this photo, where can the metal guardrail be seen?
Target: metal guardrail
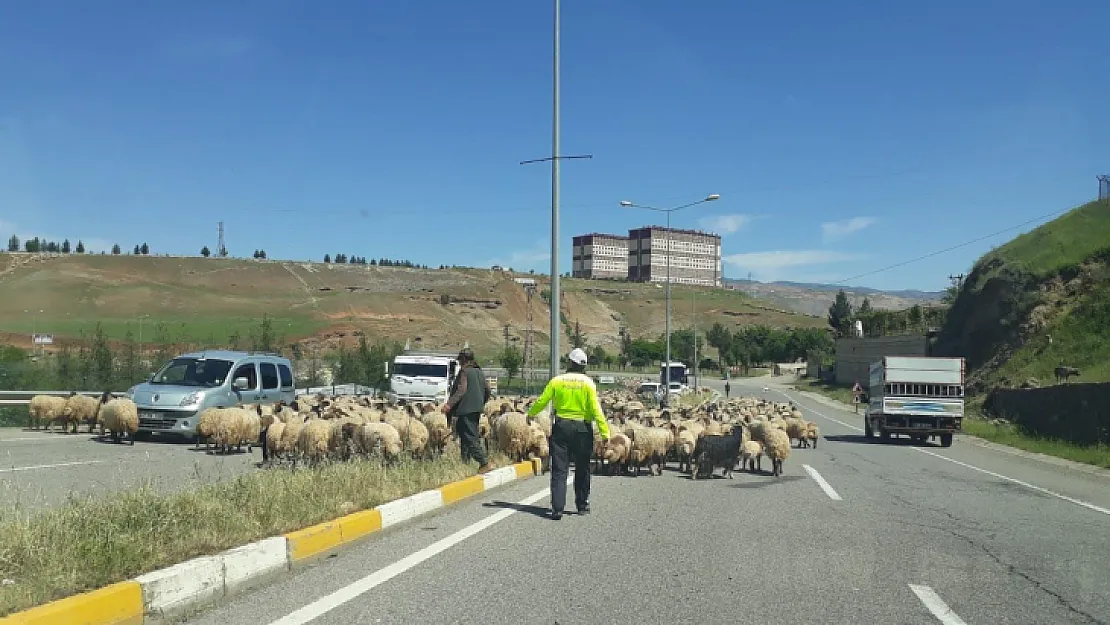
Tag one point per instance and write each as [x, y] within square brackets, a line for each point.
[22, 398]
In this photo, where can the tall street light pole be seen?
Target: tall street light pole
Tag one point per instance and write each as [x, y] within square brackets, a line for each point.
[670, 248]
[555, 158]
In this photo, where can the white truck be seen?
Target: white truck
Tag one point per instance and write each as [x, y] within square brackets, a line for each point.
[919, 396]
[422, 376]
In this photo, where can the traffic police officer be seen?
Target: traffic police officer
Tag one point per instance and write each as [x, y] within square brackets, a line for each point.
[574, 404]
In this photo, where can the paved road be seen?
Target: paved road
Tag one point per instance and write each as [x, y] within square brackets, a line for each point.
[854, 532]
[39, 469]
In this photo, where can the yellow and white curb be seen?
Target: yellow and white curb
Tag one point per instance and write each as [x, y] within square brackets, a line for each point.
[171, 592]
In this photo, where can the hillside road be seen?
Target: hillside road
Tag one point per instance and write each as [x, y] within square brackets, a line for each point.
[853, 532]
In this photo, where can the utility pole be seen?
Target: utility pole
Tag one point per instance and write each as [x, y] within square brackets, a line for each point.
[221, 249]
[555, 157]
[958, 281]
[695, 307]
[507, 336]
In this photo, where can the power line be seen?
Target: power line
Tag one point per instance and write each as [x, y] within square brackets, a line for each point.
[954, 247]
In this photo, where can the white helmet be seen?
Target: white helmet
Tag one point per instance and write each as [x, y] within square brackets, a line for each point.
[577, 356]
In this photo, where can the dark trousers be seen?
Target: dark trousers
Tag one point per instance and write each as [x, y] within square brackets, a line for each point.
[571, 441]
[466, 427]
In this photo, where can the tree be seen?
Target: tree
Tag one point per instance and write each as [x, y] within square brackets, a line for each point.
[914, 317]
[263, 339]
[720, 339]
[596, 355]
[840, 312]
[576, 338]
[205, 252]
[115, 249]
[65, 246]
[80, 247]
[145, 249]
[949, 296]
[63, 367]
[136, 251]
[103, 374]
[510, 359]
[129, 362]
[13, 244]
[327, 258]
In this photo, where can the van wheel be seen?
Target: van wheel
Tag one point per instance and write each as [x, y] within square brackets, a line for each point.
[945, 440]
[883, 434]
[867, 431]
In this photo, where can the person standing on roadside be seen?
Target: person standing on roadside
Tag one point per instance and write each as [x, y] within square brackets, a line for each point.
[727, 389]
[469, 394]
[574, 405]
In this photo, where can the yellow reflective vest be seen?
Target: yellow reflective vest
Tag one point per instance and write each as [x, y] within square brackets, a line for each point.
[572, 396]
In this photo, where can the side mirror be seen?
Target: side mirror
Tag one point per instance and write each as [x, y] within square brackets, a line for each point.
[150, 377]
[240, 384]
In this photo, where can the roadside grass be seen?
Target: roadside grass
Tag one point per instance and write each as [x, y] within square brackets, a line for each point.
[1011, 435]
[94, 541]
[1008, 434]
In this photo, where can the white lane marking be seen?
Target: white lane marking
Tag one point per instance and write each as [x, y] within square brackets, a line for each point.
[1039, 489]
[936, 605]
[821, 482]
[51, 466]
[329, 602]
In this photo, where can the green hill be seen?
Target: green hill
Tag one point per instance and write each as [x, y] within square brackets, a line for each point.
[1038, 301]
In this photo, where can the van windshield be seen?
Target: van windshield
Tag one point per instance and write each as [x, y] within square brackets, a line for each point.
[413, 369]
[193, 372]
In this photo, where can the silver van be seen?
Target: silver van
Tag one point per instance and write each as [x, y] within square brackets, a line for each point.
[170, 400]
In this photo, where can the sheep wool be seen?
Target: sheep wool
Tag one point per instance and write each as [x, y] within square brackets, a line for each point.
[81, 409]
[44, 410]
[119, 416]
[777, 448]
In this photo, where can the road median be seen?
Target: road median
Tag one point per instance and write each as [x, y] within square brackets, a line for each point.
[171, 569]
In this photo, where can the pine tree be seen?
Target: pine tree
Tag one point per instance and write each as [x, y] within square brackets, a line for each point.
[80, 247]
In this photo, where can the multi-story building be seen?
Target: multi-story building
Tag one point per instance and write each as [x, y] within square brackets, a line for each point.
[695, 256]
[600, 256]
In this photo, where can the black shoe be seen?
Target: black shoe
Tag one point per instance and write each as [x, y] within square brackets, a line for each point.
[555, 516]
[584, 509]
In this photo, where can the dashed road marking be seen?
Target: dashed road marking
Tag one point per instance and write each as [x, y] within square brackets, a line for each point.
[936, 605]
[50, 466]
[822, 483]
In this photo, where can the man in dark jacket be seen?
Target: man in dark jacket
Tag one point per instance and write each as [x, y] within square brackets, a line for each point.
[469, 394]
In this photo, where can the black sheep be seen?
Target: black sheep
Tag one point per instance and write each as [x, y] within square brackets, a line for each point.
[713, 451]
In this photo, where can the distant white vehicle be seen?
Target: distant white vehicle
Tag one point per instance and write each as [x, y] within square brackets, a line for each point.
[422, 376]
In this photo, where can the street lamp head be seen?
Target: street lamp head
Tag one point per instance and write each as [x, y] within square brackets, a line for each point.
[626, 203]
[714, 196]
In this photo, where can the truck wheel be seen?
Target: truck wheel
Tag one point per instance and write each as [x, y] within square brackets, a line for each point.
[945, 440]
[883, 434]
[867, 431]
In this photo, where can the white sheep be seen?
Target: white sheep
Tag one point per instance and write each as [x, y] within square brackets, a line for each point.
[80, 409]
[118, 416]
[776, 445]
[44, 410]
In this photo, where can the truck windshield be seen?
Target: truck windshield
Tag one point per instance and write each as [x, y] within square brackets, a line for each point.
[413, 369]
[193, 372]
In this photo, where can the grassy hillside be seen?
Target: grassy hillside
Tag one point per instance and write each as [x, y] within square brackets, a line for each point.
[204, 301]
[1039, 300]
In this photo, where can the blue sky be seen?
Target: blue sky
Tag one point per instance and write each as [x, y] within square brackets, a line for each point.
[842, 136]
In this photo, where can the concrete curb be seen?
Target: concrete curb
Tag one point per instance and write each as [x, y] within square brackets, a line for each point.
[184, 588]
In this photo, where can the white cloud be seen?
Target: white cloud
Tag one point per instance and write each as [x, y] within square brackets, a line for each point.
[832, 230]
[779, 264]
[725, 224]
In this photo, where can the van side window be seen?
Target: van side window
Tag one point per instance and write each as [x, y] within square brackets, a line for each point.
[286, 376]
[250, 373]
[269, 375]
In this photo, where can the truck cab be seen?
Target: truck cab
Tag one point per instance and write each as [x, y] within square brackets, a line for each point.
[422, 377]
[916, 396]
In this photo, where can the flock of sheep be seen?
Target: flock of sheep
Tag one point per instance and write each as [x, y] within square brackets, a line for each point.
[115, 416]
[700, 438]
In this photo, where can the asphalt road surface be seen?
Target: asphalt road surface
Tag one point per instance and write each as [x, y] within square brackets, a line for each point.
[40, 469]
[854, 532]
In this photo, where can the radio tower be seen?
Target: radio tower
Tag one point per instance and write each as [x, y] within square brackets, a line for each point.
[1104, 187]
[221, 249]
